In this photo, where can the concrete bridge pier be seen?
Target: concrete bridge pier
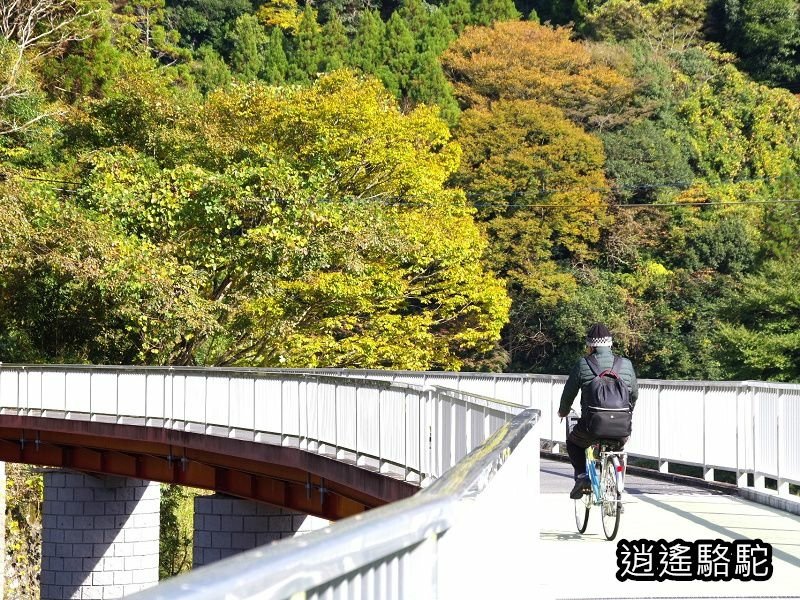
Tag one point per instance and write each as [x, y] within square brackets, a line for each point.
[224, 526]
[99, 536]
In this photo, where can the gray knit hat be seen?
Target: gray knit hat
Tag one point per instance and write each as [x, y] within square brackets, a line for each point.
[598, 335]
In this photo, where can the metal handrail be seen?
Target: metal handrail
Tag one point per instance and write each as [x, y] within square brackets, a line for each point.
[303, 563]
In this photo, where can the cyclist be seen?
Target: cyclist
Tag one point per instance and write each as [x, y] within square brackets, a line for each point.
[598, 340]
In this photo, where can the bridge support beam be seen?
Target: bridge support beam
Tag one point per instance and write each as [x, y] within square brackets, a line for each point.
[224, 526]
[99, 536]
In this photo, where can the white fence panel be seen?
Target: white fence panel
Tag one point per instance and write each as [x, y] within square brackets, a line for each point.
[156, 396]
[413, 430]
[681, 420]
[178, 387]
[53, 391]
[645, 433]
[460, 441]
[766, 430]
[720, 427]
[9, 389]
[364, 412]
[131, 394]
[326, 416]
[392, 413]
[194, 401]
[218, 401]
[104, 393]
[290, 408]
[33, 389]
[790, 434]
[268, 405]
[243, 402]
[349, 423]
[78, 392]
[511, 389]
[744, 429]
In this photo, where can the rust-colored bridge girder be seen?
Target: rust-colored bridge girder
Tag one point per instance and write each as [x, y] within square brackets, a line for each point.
[282, 476]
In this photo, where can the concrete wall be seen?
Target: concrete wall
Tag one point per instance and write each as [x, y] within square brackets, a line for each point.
[224, 526]
[99, 536]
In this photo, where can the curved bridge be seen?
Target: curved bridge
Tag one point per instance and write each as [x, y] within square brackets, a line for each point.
[336, 442]
[327, 446]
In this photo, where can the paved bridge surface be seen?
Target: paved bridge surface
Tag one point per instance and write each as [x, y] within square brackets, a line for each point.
[585, 566]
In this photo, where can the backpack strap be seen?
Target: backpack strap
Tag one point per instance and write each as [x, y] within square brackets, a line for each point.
[593, 366]
[617, 365]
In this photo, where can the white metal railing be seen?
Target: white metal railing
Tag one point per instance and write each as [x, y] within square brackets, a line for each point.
[428, 546]
[398, 429]
[747, 427]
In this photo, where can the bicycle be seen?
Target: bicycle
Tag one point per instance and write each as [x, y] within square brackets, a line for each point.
[606, 472]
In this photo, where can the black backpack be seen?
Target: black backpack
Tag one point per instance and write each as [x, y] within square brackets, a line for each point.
[607, 404]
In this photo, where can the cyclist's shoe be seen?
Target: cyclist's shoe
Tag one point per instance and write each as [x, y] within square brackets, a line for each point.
[581, 487]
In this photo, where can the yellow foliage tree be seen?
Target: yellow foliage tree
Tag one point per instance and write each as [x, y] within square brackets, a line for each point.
[523, 60]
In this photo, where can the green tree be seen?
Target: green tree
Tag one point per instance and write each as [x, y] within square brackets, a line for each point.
[765, 34]
[306, 60]
[399, 51]
[512, 151]
[248, 41]
[366, 50]
[436, 34]
[458, 13]
[205, 21]
[210, 71]
[348, 11]
[761, 327]
[177, 529]
[486, 12]
[334, 43]
[430, 86]
[643, 161]
[276, 65]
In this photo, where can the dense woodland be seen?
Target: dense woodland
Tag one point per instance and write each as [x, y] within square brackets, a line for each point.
[463, 184]
[422, 186]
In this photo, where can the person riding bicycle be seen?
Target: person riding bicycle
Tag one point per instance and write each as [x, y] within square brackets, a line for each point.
[598, 340]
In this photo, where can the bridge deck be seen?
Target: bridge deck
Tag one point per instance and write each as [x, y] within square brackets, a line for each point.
[658, 510]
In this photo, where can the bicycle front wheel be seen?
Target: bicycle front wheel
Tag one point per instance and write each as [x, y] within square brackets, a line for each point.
[611, 501]
[582, 507]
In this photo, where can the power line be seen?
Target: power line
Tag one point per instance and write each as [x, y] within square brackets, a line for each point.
[500, 202]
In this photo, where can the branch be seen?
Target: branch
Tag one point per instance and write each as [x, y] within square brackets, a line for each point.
[14, 128]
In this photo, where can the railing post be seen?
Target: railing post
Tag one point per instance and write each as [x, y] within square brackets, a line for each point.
[758, 479]
[741, 445]
[708, 472]
[663, 465]
[783, 486]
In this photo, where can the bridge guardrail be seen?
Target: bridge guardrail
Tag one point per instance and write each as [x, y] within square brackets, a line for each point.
[399, 429]
[413, 548]
[747, 427]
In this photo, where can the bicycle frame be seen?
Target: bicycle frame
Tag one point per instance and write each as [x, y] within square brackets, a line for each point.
[595, 478]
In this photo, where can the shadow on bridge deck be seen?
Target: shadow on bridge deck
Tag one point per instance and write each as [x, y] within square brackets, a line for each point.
[585, 566]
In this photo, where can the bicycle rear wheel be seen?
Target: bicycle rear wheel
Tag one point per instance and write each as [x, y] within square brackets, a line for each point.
[611, 501]
[582, 507]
